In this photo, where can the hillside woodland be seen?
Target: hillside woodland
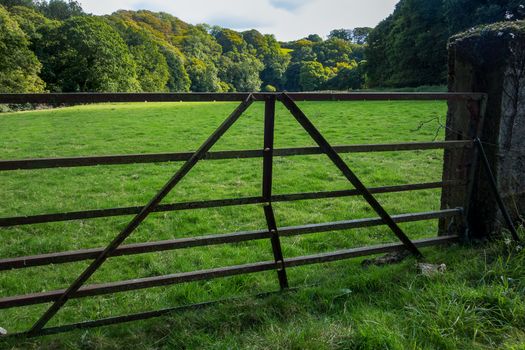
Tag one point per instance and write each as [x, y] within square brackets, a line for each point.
[54, 46]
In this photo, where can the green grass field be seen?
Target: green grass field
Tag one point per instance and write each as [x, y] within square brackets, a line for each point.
[478, 303]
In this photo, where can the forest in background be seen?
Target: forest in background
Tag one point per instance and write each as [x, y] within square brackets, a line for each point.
[409, 48]
[54, 46]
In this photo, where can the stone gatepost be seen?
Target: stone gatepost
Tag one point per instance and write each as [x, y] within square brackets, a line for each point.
[488, 59]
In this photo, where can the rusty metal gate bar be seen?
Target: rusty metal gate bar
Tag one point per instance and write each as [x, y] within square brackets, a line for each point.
[236, 270]
[71, 162]
[99, 213]
[78, 290]
[208, 240]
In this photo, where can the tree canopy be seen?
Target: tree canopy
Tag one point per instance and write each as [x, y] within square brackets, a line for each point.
[155, 51]
[19, 66]
[87, 54]
[409, 47]
[59, 9]
[53, 45]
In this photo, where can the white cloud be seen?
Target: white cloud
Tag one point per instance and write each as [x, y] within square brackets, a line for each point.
[287, 19]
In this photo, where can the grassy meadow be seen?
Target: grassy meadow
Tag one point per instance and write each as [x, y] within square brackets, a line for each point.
[478, 303]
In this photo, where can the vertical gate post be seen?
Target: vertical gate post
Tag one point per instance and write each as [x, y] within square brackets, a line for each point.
[269, 132]
[488, 59]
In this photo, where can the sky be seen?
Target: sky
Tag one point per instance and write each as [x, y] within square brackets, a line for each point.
[286, 19]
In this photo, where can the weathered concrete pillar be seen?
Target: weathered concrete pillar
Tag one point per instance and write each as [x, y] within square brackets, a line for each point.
[488, 59]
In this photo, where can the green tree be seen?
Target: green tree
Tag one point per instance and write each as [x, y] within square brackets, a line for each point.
[178, 80]
[315, 38]
[199, 44]
[269, 52]
[178, 41]
[163, 53]
[152, 67]
[160, 65]
[204, 76]
[241, 71]
[415, 45]
[161, 25]
[274, 68]
[358, 52]
[312, 76]
[380, 66]
[257, 41]
[303, 50]
[11, 3]
[348, 76]
[60, 9]
[333, 51]
[229, 39]
[33, 23]
[19, 67]
[203, 55]
[360, 35]
[409, 48]
[86, 54]
[269, 88]
[291, 77]
[342, 34]
[462, 14]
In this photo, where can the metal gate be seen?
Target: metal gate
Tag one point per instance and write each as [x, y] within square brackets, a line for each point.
[79, 288]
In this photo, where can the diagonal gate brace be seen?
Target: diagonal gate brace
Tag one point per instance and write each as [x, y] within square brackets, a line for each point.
[276, 247]
[141, 216]
[347, 172]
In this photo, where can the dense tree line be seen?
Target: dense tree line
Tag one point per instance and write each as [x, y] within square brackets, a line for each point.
[315, 64]
[19, 69]
[54, 46]
[409, 47]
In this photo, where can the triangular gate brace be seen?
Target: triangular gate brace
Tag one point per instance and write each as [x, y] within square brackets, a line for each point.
[349, 174]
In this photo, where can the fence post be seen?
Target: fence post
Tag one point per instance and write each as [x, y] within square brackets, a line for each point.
[488, 59]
